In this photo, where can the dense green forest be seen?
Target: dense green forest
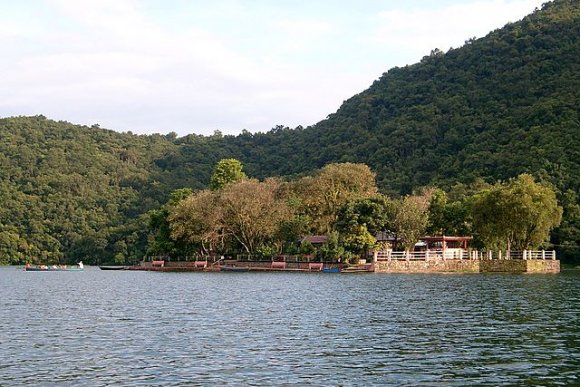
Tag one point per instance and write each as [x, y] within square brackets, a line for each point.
[495, 108]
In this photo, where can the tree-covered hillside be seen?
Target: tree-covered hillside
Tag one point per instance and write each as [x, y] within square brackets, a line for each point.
[73, 190]
[497, 107]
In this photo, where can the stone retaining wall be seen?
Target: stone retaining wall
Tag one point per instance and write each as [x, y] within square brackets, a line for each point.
[469, 266]
[436, 266]
[502, 266]
[541, 266]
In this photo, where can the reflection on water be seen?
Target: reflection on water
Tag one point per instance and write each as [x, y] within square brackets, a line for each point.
[124, 327]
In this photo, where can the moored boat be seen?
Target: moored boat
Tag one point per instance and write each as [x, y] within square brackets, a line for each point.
[113, 267]
[366, 268]
[29, 267]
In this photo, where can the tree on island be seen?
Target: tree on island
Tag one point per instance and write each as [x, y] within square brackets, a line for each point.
[517, 215]
[328, 189]
[270, 217]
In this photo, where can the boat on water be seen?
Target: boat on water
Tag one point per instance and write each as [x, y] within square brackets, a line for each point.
[79, 267]
[367, 268]
[331, 270]
[113, 267]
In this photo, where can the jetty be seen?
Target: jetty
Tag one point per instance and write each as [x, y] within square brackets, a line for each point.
[243, 264]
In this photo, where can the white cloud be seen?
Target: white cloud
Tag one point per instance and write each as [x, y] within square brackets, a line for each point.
[413, 33]
[119, 64]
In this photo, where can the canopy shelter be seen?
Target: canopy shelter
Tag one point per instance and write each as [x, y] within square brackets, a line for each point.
[444, 242]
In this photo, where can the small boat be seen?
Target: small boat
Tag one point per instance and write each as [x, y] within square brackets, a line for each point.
[367, 268]
[79, 267]
[331, 269]
[113, 267]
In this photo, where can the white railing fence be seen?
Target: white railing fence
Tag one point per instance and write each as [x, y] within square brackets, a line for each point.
[433, 255]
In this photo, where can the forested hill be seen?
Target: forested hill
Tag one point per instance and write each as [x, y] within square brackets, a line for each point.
[498, 106]
[494, 108]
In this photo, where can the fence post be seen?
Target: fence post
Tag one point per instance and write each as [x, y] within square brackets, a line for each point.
[554, 255]
[524, 256]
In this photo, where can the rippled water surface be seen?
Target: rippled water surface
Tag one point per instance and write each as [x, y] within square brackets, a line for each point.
[142, 328]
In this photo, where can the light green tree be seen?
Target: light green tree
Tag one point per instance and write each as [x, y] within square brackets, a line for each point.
[448, 217]
[408, 221]
[359, 240]
[517, 215]
[226, 171]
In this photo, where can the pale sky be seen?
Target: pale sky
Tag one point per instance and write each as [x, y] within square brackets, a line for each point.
[195, 66]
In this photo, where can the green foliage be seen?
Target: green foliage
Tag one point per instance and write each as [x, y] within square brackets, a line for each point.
[196, 223]
[332, 249]
[226, 172]
[500, 106]
[306, 247]
[566, 237]
[449, 218]
[408, 222]
[517, 215]
[373, 213]
[161, 240]
[70, 193]
[245, 215]
[358, 240]
[323, 193]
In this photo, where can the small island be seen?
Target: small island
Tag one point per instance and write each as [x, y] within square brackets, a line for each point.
[337, 220]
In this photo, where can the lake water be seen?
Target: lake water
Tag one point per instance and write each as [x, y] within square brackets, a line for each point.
[144, 328]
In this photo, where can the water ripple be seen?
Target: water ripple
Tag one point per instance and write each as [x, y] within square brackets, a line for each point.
[103, 328]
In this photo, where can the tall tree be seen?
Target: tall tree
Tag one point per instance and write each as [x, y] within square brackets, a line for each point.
[227, 171]
[408, 221]
[330, 188]
[196, 220]
[448, 217]
[371, 212]
[517, 215]
[252, 212]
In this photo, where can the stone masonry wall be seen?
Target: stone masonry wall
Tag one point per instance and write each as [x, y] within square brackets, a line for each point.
[502, 266]
[469, 266]
[438, 266]
[543, 266]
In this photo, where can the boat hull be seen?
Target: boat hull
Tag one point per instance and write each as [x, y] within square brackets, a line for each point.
[50, 269]
[113, 267]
